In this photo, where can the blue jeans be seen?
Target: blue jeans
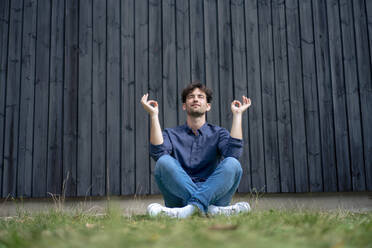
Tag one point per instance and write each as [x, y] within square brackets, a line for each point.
[179, 190]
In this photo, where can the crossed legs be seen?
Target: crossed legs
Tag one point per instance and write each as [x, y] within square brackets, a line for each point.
[179, 190]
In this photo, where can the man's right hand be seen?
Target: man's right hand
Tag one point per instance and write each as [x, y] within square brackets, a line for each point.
[150, 106]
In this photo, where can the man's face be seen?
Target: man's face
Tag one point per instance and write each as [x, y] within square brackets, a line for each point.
[196, 103]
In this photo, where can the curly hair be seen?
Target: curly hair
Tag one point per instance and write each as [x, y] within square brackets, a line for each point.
[191, 87]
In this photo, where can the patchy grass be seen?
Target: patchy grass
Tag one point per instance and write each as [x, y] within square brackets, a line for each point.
[256, 229]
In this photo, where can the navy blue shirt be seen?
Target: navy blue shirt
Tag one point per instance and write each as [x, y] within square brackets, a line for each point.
[199, 154]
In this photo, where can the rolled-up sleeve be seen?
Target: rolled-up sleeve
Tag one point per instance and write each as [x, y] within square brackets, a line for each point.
[156, 151]
[229, 146]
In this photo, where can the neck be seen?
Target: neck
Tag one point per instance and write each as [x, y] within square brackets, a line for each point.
[195, 122]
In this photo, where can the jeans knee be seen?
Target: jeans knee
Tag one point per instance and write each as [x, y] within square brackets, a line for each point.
[164, 163]
[232, 166]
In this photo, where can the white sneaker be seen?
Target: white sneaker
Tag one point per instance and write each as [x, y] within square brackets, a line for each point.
[240, 207]
[155, 209]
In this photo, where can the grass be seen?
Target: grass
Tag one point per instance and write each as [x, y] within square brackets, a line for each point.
[273, 228]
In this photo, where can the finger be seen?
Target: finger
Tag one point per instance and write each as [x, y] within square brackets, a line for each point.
[144, 98]
[236, 103]
[153, 103]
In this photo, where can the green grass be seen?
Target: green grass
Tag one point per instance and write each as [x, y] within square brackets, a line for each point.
[256, 229]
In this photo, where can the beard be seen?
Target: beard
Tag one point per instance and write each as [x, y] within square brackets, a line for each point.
[195, 113]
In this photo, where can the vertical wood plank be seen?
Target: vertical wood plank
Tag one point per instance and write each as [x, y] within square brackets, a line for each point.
[26, 117]
[128, 98]
[113, 97]
[84, 153]
[141, 51]
[70, 91]
[225, 66]
[156, 76]
[12, 99]
[254, 92]
[268, 98]
[352, 96]
[211, 59]
[183, 52]
[282, 97]
[240, 83]
[324, 96]
[310, 97]
[4, 35]
[362, 19]
[197, 41]
[99, 99]
[296, 97]
[54, 156]
[170, 94]
[39, 187]
[339, 97]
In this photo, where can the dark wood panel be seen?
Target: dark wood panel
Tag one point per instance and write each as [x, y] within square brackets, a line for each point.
[99, 100]
[339, 98]
[128, 98]
[296, 97]
[159, 72]
[4, 35]
[363, 32]
[70, 92]
[113, 97]
[225, 66]
[54, 159]
[26, 117]
[240, 83]
[310, 97]
[268, 98]
[282, 97]
[197, 40]
[141, 51]
[254, 92]
[352, 96]
[12, 99]
[183, 52]
[324, 96]
[211, 59]
[39, 187]
[84, 142]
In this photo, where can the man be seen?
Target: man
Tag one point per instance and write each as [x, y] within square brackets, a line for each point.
[189, 171]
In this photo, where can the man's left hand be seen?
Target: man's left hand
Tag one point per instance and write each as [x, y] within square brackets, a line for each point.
[237, 107]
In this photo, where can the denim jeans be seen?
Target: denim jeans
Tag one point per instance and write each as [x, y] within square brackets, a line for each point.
[179, 190]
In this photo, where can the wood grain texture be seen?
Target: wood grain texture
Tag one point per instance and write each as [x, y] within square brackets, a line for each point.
[4, 36]
[282, 97]
[84, 142]
[255, 93]
[99, 101]
[113, 98]
[26, 117]
[323, 73]
[10, 148]
[70, 101]
[54, 157]
[128, 100]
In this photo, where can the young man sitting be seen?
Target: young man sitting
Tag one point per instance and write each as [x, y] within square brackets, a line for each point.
[197, 167]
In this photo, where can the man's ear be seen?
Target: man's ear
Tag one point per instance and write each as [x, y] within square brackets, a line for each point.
[184, 106]
[209, 106]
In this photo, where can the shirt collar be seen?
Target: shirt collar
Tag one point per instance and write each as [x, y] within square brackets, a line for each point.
[201, 130]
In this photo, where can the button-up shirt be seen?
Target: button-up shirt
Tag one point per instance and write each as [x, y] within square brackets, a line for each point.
[198, 154]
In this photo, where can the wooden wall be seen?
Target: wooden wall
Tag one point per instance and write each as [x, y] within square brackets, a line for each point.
[72, 74]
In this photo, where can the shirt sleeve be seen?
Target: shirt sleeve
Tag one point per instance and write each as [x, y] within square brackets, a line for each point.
[156, 151]
[229, 146]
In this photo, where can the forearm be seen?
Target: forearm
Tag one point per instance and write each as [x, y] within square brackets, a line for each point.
[156, 136]
[236, 128]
